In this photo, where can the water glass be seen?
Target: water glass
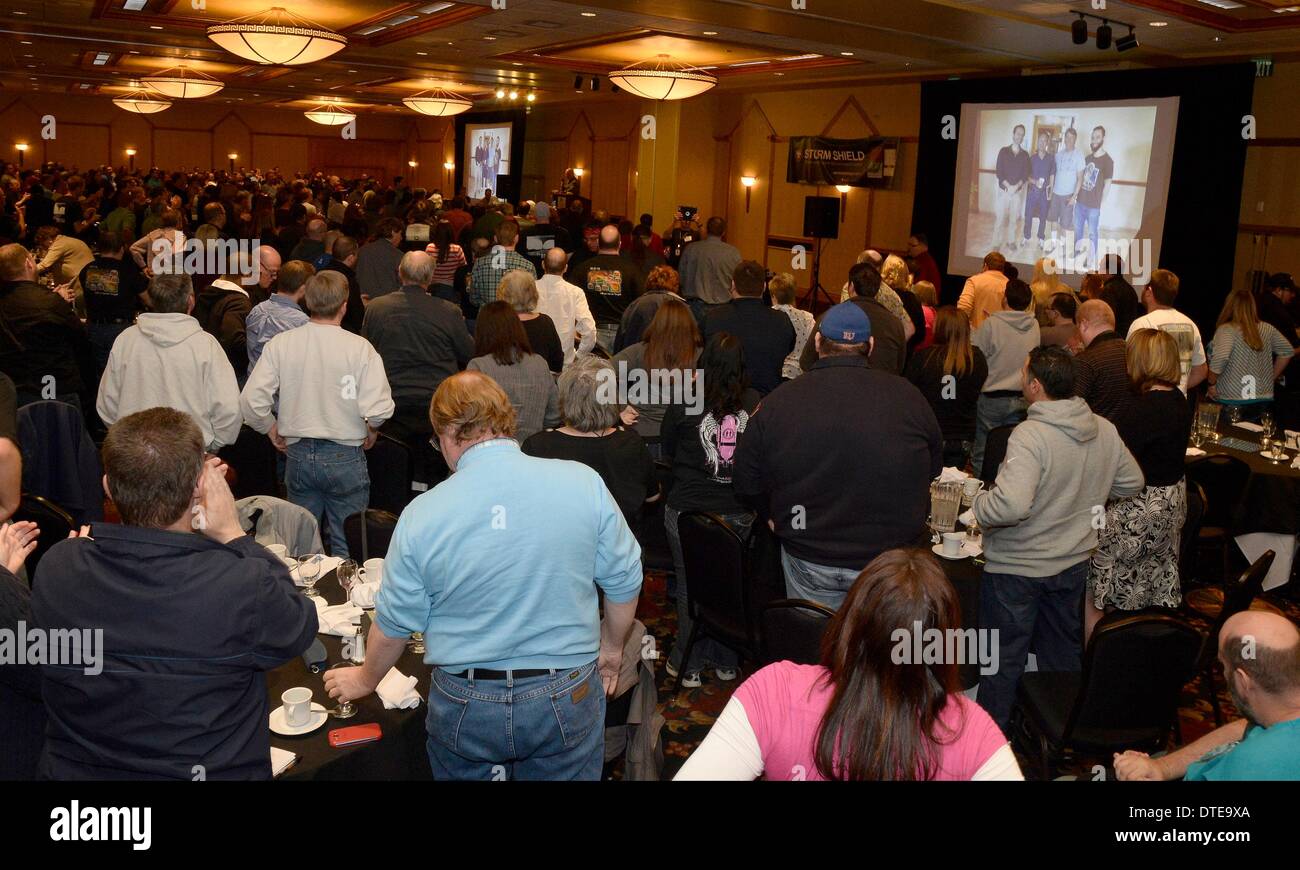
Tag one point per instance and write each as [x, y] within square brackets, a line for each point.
[1266, 424]
[345, 709]
[309, 573]
[347, 575]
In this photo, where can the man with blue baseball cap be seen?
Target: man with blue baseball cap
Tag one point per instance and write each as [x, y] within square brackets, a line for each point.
[840, 459]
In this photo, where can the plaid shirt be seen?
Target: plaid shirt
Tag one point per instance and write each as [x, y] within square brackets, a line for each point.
[486, 276]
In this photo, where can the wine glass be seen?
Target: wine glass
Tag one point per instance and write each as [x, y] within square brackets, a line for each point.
[345, 709]
[309, 573]
[347, 577]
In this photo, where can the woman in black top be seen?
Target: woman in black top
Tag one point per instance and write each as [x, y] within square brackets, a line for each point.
[699, 435]
[950, 374]
[1135, 564]
[592, 435]
[520, 289]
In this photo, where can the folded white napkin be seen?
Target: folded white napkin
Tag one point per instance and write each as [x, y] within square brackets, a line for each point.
[281, 760]
[363, 594]
[1195, 451]
[952, 475]
[338, 620]
[1295, 463]
[966, 518]
[327, 564]
[1248, 426]
[397, 691]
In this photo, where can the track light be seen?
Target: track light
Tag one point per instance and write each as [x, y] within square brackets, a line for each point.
[1079, 30]
[577, 83]
[1125, 43]
[595, 83]
[614, 89]
[1103, 35]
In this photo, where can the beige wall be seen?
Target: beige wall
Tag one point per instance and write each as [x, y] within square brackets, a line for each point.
[1269, 238]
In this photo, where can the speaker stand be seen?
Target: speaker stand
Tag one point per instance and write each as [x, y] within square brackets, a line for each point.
[816, 286]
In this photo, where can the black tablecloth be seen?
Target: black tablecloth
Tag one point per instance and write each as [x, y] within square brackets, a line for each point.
[1271, 501]
[400, 754]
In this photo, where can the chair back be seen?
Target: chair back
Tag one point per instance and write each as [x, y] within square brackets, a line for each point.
[791, 629]
[1134, 669]
[391, 469]
[1196, 505]
[995, 450]
[1223, 479]
[54, 522]
[650, 532]
[372, 540]
[766, 575]
[253, 459]
[60, 461]
[717, 579]
[1239, 594]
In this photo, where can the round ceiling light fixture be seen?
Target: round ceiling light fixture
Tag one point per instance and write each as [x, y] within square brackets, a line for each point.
[663, 79]
[438, 103]
[277, 36]
[140, 101]
[330, 114]
[182, 83]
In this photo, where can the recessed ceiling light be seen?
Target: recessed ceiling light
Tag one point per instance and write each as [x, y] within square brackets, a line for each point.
[710, 33]
[31, 66]
[778, 74]
[351, 70]
[133, 51]
[1287, 9]
[133, 5]
[371, 30]
[1218, 39]
[490, 38]
[847, 53]
[587, 14]
[26, 41]
[1157, 24]
[423, 53]
[155, 27]
[1223, 4]
[17, 12]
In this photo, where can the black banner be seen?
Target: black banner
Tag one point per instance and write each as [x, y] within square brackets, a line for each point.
[866, 162]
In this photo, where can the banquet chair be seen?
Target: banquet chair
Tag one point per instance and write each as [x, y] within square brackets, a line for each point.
[791, 629]
[391, 471]
[995, 450]
[371, 540]
[54, 522]
[252, 458]
[1223, 479]
[1196, 504]
[766, 574]
[1237, 597]
[1126, 696]
[650, 532]
[718, 594]
[60, 461]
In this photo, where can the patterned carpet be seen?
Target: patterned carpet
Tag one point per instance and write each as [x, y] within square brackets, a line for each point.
[692, 712]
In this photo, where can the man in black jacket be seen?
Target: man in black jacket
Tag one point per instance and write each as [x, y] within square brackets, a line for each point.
[222, 310]
[344, 261]
[43, 345]
[179, 614]
[765, 333]
[841, 460]
[888, 341]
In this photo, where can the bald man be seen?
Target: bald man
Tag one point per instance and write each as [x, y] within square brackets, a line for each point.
[566, 305]
[312, 246]
[610, 280]
[268, 269]
[1260, 655]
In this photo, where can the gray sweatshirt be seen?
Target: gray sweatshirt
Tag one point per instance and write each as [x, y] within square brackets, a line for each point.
[1006, 337]
[1063, 464]
[167, 360]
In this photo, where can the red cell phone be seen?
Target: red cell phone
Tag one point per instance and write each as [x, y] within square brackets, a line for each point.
[355, 735]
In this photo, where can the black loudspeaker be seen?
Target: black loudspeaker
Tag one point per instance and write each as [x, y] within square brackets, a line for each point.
[821, 217]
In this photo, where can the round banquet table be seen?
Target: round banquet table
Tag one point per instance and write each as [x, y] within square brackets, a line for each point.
[1271, 501]
[400, 754]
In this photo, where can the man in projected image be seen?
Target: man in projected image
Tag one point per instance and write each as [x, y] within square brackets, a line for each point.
[1012, 174]
[1065, 184]
[1098, 170]
[1042, 166]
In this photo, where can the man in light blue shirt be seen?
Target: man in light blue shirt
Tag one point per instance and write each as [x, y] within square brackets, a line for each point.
[282, 312]
[499, 567]
[1065, 186]
[1260, 655]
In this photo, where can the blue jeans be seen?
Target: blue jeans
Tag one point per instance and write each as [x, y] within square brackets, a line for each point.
[990, 413]
[708, 653]
[1036, 204]
[330, 479]
[537, 728]
[824, 584]
[1090, 218]
[1047, 611]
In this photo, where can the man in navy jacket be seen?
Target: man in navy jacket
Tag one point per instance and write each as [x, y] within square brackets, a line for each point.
[192, 612]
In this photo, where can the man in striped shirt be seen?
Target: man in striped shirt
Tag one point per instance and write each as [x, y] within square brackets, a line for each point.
[501, 259]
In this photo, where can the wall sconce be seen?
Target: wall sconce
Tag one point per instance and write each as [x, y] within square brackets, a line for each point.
[578, 171]
[130, 155]
[412, 164]
[450, 166]
[22, 152]
[844, 200]
[233, 157]
[748, 181]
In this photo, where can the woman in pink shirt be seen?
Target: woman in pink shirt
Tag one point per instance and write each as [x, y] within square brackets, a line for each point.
[866, 713]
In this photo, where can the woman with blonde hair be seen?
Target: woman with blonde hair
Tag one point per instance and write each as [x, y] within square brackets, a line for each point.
[1246, 356]
[895, 274]
[1046, 284]
[951, 362]
[1135, 564]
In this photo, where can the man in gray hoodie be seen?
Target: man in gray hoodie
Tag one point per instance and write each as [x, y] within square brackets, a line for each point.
[1005, 337]
[167, 360]
[1040, 524]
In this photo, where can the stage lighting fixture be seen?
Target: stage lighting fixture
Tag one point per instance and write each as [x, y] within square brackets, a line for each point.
[1103, 35]
[1079, 31]
[1125, 43]
[577, 83]
[595, 83]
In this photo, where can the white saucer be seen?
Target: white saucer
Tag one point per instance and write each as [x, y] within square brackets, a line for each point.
[967, 549]
[1278, 455]
[279, 726]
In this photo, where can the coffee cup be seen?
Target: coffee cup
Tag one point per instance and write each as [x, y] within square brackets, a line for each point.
[374, 571]
[952, 542]
[277, 550]
[971, 487]
[297, 706]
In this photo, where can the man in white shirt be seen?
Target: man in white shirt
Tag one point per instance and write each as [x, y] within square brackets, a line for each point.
[166, 360]
[1158, 297]
[566, 305]
[333, 396]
